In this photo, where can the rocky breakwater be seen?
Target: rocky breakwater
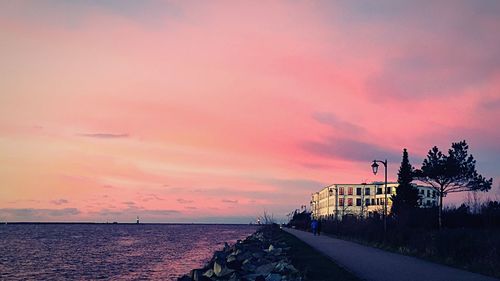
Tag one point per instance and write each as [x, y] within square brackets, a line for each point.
[261, 256]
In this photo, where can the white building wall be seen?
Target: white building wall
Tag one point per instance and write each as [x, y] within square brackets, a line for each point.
[361, 199]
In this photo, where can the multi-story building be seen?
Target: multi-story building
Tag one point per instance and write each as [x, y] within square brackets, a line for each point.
[338, 200]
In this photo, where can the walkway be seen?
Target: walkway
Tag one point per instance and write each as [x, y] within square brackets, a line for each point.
[374, 264]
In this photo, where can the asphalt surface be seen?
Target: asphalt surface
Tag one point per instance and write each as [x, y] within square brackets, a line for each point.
[373, 264]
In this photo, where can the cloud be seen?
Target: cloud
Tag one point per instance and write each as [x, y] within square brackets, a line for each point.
[351, 150]
[32, 214]
[184, 201]
[72, 14]
[104, 135]
[330, 119]
[296, 184]
[229, 201]
[132, 212]
[151, 196]
[59, 201]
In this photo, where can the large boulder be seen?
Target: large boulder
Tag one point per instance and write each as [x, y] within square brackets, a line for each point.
[265, 269]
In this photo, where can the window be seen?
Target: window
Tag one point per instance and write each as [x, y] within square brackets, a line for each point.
[422, 192]
[367, 191]
[341, 201]
[434, 194]
[389, 190]
[350, 191]
[379, 190]
[428, 193]
[349, 201]
[341, 191]
[358, 201]
[358, 191]
[373, 201]
[378, 201]
[367, 202]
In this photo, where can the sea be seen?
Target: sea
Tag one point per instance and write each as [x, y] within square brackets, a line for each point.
[110, 251]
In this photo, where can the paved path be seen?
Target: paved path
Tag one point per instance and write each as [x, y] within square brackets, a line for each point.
[374, 264]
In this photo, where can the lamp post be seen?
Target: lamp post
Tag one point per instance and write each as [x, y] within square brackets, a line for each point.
[375, 170]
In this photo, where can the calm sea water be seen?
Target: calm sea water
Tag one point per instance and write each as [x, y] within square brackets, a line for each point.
[109, 251]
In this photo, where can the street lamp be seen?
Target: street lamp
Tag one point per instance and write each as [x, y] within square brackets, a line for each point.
[375, 170]
[330, 191]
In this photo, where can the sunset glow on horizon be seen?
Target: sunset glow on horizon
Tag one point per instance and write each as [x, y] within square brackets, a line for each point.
[216, 111]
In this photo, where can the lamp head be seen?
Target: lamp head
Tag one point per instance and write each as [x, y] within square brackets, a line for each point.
[375, 167]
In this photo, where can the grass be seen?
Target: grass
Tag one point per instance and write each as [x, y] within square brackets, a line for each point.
[312, 263]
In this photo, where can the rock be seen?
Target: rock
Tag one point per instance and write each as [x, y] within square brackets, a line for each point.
[243, 256]
[231, 258]
[217, 268]
[273, 277]
[220, 270]
[265, 269]
[248, 267]
[260, 278]
[234, 264]
[258, 255]
[271, 248]
[209, 273]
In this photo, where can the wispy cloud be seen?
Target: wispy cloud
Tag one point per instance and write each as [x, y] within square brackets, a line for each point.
[332, 120]
[33, 214]
[59, 201]
[229, 201]
[349, 149]
[184, 201]
[104, 135]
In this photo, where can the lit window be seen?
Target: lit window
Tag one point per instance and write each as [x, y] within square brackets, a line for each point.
[341, 191]
[349, 201]
[341, 201]
[350, 191]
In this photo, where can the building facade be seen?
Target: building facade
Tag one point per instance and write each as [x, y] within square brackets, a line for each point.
[339, 200]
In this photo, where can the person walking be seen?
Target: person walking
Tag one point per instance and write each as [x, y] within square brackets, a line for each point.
[314, 226]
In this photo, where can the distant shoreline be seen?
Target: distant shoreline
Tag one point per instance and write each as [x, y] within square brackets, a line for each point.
[129, 223]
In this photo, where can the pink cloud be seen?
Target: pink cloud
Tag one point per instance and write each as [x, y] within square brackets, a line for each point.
[255, 104]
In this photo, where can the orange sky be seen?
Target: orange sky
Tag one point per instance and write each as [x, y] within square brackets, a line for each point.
[190, 111]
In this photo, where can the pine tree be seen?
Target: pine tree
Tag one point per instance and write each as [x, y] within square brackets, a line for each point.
[455, 172]
[406, 198]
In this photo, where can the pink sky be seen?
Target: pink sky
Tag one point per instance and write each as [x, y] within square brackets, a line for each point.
[193, 111]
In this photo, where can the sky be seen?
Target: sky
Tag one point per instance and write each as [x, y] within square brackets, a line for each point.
[219, 111]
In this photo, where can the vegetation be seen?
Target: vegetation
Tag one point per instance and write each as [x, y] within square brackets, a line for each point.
[406, 199]
[455, 172]
[300, 219]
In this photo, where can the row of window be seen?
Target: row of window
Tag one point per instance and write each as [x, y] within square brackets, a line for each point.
[422, 192]
[359, 190]
[368, 202]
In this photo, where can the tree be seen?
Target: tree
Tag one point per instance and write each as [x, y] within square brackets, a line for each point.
[406, 198]
[455, 172]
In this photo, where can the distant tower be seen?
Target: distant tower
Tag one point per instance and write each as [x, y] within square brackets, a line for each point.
[137, 221]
